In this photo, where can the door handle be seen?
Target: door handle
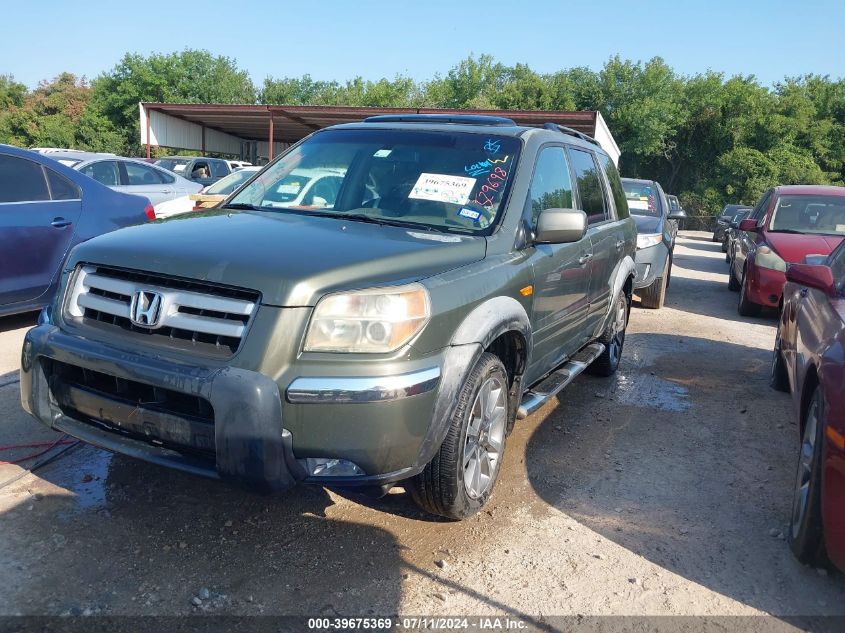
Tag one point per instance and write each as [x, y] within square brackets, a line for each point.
[620, 244]
[167, 190]
[60, 223]
[586, 257]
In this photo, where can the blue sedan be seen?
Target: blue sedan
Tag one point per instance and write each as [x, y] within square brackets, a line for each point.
[46, 209]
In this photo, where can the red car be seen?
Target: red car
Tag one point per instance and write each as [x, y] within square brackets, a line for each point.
[787, 224]
[809, 361]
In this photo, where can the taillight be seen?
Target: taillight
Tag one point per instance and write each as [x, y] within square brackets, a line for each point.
[197, 208]
[151, 213]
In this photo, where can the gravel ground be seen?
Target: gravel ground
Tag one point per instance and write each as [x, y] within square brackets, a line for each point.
[662, 490]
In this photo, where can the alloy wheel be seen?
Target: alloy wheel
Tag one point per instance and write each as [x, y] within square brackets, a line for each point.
[485, 437]
[619, 323]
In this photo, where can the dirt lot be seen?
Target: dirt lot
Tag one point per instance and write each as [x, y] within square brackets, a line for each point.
[654, 492]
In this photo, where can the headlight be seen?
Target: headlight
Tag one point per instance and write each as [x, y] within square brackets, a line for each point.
[644, 240]
[378, 320]
[767, 258]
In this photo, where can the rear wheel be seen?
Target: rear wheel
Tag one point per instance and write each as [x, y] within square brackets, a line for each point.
[747, 307]
[654, 296]
[613, 339]
[806, 537]
[458, 481]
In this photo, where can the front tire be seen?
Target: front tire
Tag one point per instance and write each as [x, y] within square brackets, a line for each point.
[614, 340]
[806, 537]
[747, 307]
[654, 296]
[733, 284]
[779, 380]
[459, 480]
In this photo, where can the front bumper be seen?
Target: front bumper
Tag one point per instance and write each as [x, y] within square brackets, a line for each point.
[764, 286]
[650, 264]
[389, 426]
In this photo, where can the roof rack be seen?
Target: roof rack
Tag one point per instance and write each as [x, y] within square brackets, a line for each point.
[457, 119]
[568, 130]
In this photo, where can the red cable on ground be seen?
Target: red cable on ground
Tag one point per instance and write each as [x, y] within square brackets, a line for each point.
[50, 446]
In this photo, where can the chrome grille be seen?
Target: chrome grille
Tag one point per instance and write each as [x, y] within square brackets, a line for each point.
[195, 316]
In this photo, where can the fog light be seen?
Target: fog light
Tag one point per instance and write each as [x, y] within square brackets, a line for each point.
[26, 356]
[329, 467]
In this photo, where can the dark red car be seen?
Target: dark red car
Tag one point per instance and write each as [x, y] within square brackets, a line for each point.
[786, 225]
[809, 361]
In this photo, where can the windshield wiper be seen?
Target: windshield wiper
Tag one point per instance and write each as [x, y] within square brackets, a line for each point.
[243, 205]
[793, 231]
[361, 217]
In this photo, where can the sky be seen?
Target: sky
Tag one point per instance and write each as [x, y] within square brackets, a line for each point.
[332, 39]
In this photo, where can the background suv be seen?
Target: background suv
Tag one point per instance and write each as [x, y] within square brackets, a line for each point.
[657, 228]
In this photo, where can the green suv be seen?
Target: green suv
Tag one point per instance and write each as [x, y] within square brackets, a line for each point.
[449, 276]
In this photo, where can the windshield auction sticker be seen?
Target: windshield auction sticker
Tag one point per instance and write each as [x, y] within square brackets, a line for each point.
[443, 188]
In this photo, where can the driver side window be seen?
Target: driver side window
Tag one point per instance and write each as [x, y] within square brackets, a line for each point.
[551, 186]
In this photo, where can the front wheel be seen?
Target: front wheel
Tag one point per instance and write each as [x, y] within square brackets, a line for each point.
[458, 481]
[654, 296]
[806, 538]
[614, 339]
[746, 306]
[778, 380]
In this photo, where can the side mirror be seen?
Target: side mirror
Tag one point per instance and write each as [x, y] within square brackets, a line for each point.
[561, 226]
[748, 225]
[818, 277]
[816, 260]
[677, 214]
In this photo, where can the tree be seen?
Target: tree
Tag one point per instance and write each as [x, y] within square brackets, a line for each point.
[190, 76]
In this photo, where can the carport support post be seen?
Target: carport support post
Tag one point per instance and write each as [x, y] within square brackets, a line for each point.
[270, 146]
[149, 153]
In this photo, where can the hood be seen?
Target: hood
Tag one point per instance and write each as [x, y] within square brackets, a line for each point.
[793, 248]
[291, 259]
[648, 224]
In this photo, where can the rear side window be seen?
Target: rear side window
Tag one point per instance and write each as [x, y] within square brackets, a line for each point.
[141, 174]
[589, 185]
[219, 168]
[619, 199]
[21, 180]
[759, 211]
[60, 187]
[551, 187]
[105, 172]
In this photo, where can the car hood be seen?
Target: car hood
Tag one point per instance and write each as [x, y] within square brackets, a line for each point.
[648, 224]
[793, 248]
[291, 259]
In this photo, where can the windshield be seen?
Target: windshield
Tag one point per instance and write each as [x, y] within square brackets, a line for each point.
[642, 198]
[227, 185]
[442, 181]
[674, 205]
[809, 214]
[173, 164]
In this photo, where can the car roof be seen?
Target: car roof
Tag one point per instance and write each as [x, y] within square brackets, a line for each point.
[78, 155]
[809, 190]
[643, 181]
[189, 158]
[422, 123]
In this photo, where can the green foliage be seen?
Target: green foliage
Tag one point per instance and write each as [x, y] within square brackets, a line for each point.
[712, 139]
[189, 76]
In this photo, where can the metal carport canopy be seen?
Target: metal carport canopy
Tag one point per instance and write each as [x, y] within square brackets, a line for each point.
[212, 127]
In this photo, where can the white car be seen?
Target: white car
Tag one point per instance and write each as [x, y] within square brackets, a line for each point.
[238, 164]
[160, 186]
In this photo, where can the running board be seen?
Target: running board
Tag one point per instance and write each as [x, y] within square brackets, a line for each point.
[537, 396]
